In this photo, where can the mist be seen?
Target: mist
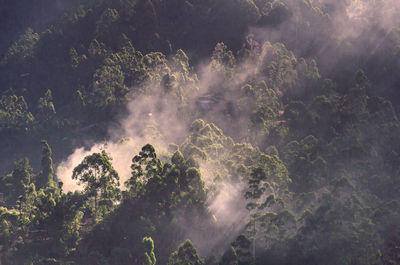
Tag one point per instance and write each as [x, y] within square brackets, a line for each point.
[276, 124]
[149, 120]
[331, 32]
[160, 117]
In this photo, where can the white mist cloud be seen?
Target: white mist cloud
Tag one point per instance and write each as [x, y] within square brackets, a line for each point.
[230, 217]
[150, 119]
[121, 153]
[332, 29]
[228, 207]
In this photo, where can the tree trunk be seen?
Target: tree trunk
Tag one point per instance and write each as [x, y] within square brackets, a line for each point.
[95, 207]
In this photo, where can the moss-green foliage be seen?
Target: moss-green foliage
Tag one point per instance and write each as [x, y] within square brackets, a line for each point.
[149, 256]
[15, 183]
[157, 192]
[230, 160]
[229, 257]
[14, 114]
[47, 177]
[100, 180]
[186, 254]
[9, 224]
[44, 223]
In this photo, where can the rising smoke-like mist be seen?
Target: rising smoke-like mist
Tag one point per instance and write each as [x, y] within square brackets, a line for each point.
[230, 217]
[157, 118]
[150, 120]
[159, 113]
[329, 30]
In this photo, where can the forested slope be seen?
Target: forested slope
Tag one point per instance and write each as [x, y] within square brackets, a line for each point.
[200, 132]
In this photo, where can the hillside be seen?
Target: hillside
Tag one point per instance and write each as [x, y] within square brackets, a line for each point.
[200, 132]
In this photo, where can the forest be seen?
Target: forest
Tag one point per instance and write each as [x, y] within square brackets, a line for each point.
[200, 132]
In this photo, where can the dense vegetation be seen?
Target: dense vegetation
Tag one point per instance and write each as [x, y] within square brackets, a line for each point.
[266, 132]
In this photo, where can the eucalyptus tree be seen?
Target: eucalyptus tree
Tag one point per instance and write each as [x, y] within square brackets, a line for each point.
[185, 255]
[100, 179]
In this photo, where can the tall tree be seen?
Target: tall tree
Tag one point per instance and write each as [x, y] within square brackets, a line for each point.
[144, 166]
[46, 177]
[15, 183]
[100, 179]
[230, 257]
[242, 248]
[185, 255]
[149, 258]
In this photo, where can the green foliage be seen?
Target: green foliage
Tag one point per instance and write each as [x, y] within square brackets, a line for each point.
[120, 256]
[16, 183]
[47, 177]
[144, 166]
[186, 254]
[107, 23]
[14, 114]
[108, 86]
[229, 257]
[222, 58]
[149, 256]
[180, 184]
[242, 248]
[9, 225]
[21, 50]
[274, 13]
[325, 191]
[45, 107]
[100, 179]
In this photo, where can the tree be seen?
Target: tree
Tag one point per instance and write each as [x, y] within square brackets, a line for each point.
[108, 86]
[46, 177]
[22, 49]
[15, 183]
[21, 175]
[107, 25]
[149, 258]
[15, 114]
[242, 247]
[100, 179]
[185, 255]
[45, 107]
[229, 257]
[144, 166]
